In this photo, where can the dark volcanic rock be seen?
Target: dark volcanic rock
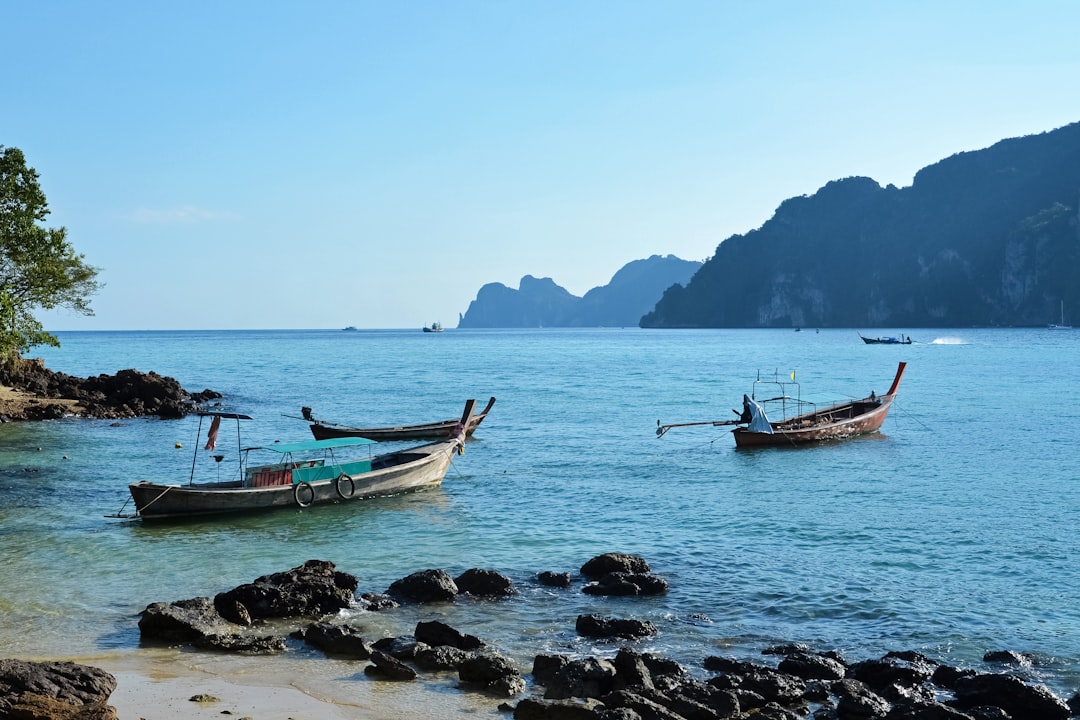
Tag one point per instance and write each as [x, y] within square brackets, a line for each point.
[581, 678]
[484, 583]
[1007, 657]
[493, 673]
[240, 643]
[641, 705]
[569, 709]
[343, 640]
[441, 657]
[55, 690]
[183, 621]
[197, 622]
[424, 586]
[377, 601]
[128, 393]
[1011, 695]
[716, 663]
[437, 633]
[403, 647]
[946, 676]
[601, 565]
[621, 584]
[388, 667]
[546, 666]
[554, 579]
[812, 667]
[315, 588]
[601, 627]
[891, 670]
[856, 700]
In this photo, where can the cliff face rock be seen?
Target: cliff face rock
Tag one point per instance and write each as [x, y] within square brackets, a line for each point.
[990, 237]
[632, 292]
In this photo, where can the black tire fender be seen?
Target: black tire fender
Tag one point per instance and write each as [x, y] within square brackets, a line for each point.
[303, 494]
[340, 483]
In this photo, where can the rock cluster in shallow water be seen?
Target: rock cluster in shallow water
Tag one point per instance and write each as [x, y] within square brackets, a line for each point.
[798, 683]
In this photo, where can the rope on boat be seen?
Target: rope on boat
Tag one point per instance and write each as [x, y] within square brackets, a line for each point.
[161, 495]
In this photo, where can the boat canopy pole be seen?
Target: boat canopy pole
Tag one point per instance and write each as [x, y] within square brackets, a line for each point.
[195, 455]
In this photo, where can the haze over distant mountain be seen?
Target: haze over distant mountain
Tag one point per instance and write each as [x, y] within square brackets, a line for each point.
[632, 292]
[983, 238]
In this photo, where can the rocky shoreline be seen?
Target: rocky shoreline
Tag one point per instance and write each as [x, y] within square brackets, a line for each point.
[37, 393]
[794, 683]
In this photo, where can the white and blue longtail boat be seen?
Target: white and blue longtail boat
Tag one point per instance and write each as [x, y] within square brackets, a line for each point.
[304, 474]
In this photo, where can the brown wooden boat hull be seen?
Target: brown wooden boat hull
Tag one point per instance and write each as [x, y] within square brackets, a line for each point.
[860, 425]
[845, 420]
[425, 431]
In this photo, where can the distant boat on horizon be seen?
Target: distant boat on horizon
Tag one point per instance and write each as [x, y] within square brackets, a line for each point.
[434, 327]
[1061, 325]
[902, 340]
[351, 328]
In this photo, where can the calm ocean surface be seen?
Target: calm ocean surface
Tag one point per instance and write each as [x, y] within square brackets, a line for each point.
[954, 532]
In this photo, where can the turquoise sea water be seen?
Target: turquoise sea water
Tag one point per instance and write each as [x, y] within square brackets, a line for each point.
[954, 532]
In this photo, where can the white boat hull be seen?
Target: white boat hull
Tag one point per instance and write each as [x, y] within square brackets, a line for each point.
[411, 470]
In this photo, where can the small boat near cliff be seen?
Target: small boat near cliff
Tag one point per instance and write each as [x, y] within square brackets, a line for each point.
[322, 429]
[301, 474]
[433, 327]
[835, 422]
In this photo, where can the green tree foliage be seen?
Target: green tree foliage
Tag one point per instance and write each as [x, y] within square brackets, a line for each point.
[39, 270]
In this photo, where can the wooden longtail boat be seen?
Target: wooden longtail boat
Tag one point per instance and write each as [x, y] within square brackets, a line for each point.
[297, 480]
[323, 430]
[902, 340]
[847, 419]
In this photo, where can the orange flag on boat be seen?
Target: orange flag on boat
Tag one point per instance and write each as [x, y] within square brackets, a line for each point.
[211, 437]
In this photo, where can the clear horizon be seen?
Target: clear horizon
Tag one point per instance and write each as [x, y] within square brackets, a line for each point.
[271, 165]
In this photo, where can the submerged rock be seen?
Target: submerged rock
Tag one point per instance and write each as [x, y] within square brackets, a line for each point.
[554, 579]
[342, 640]
[622, 584]
[384, 665]
[601, 627]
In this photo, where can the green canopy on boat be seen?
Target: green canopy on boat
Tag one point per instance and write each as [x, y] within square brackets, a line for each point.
[310, 445]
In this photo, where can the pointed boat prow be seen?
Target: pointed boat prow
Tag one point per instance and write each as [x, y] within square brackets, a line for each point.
[896, 380]
[462, 428]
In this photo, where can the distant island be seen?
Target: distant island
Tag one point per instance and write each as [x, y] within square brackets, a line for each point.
[632, 292]
[983, 238]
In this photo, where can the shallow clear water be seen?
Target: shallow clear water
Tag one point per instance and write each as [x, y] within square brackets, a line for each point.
[953, 532]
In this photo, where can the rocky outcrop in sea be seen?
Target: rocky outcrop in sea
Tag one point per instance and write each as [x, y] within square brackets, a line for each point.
[128, 393]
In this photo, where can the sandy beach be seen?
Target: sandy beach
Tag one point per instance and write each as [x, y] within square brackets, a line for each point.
[159, 684]
[14, 402]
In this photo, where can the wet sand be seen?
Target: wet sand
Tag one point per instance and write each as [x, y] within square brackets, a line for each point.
[158, 684]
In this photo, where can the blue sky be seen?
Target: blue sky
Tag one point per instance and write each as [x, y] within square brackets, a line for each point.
[315, 165]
